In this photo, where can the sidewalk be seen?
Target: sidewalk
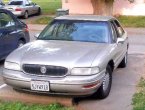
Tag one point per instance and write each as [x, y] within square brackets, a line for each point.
[36, 27]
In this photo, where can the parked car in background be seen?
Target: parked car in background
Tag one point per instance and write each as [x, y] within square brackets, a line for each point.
[23, 8]
[13, 33]
[74, 55]
[2, 5]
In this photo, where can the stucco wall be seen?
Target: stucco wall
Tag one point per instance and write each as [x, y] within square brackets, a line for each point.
[122, 7]
[78, 6]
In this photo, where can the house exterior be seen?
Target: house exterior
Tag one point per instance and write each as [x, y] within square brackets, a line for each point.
[120, 7]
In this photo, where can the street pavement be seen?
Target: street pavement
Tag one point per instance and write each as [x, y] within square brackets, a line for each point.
[124, 80]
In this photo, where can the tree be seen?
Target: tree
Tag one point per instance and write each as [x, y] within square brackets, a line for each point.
[103, 7]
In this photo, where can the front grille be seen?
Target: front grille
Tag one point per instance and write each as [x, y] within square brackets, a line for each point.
[49, 70]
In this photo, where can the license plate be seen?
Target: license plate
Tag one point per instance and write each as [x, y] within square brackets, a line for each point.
[40, 85]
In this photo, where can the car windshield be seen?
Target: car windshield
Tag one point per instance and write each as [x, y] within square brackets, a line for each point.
[84, 31]
[16, 3]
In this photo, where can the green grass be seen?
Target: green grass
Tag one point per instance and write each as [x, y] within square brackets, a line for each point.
[21, 106]
[42, 20]
[48, 6]
[132, 21]
[138, 100]
[126, 21]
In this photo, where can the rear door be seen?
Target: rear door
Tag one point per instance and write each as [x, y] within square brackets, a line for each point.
[8, 33]
[28, 7]
[33, 7]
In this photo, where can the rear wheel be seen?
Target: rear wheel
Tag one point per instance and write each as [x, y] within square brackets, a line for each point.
[105, 88]
[26, 15]
[39, 12]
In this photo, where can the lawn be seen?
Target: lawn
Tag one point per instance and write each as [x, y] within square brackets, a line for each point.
[42, 20]
[21, 106]
[48, 6]
[126, 21]
[132, 21]
[139, 98]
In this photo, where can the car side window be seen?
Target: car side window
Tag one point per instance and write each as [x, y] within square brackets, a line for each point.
[6, 20]
[31, 3]
[27, 3]
[119, 29]
[114, 34]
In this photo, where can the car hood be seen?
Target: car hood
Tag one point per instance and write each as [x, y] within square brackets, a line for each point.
[59, 53]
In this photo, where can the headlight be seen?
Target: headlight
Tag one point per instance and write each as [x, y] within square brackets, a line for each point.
[12, 66]
[85, 71]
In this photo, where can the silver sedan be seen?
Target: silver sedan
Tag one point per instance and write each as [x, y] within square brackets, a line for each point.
[74, 55]
[23, 8]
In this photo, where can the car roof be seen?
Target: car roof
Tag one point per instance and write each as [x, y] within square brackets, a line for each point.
[85, 17]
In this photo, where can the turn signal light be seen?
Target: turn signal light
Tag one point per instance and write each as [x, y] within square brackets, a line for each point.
[91, 85]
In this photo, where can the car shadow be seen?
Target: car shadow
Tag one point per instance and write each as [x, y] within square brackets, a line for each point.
[77, 100]
[30, 16]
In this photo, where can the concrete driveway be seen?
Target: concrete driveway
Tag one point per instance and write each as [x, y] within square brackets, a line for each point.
[124, 80]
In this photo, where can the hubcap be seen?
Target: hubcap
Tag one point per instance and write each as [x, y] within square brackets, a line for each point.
[20, 45]
[106, 81]
[26, 15]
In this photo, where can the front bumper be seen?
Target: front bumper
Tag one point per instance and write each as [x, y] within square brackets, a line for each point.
[69, 85]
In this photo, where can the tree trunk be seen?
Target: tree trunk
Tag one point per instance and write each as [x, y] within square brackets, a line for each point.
[102, 7]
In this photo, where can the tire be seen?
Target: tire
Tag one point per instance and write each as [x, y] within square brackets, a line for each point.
[26, 15]
[39, 12]
[105, 88]
[123, 63]
[20, 43]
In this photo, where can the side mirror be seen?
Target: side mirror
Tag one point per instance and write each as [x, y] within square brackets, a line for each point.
[120, 41]
[36, 36]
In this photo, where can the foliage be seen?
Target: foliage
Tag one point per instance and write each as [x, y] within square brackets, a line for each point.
[132, 21]
[43, 20]
[138, 100]
[21, 106]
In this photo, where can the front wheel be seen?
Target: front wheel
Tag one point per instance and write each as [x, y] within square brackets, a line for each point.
[105, 88]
